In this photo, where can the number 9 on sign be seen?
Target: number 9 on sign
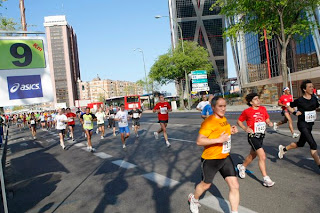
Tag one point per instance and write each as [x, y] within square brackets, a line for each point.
[21, 54]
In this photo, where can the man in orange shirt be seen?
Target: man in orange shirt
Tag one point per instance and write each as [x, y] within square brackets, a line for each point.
[215, 137]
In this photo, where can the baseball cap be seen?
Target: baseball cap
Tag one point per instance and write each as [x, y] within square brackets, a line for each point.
[286, 88]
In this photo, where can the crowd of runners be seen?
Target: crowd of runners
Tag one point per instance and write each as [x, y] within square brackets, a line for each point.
[214, 134]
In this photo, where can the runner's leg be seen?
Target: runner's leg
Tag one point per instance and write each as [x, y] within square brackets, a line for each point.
[234, 195]
[252, 155]
[262, 161]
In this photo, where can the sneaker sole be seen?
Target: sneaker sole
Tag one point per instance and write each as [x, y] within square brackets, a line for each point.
[239, 173]
[264, 184]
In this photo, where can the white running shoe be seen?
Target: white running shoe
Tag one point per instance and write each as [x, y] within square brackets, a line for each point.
[275, 126]
[34, 137]
[281, 151]
[85, 135]
[123, 146]
[63, 146]
[156, 135]
[114, 134]
[102, 137]
[168, 144]
[97, 131]
[137, 135]
[295, 135]
[194, 204]
[242, 171]
[92, 149]
[89, 148]
[267, 181]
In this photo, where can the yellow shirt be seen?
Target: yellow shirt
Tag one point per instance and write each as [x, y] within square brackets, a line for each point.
[212, 128]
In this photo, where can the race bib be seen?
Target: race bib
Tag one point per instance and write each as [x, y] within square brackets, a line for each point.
[135, 115]
[310, 116]
[163, 110]
[32, 122]
[226, 147]
[260, 127]
[288, 104]
[70, 119]
[111, 116]
[123, 121]
[86, 122]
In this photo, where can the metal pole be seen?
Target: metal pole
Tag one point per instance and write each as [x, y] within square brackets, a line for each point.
[289, 75]
[145, 71]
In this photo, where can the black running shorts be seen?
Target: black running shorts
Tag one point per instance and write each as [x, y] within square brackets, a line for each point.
[255, 143]
[306, 136]
[209, 168]
[136, 122]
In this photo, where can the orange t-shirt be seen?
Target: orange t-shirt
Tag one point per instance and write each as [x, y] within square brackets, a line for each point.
[212, 128]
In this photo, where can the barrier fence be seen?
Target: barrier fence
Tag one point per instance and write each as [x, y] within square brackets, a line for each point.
[3, 154]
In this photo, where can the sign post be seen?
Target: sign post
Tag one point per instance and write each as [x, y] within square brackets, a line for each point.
[24, 71]
[199, 81]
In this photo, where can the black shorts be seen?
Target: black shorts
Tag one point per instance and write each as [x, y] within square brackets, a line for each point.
[112, 123]
[33, 125]
[255, 143]
[62, 131]
[163, 121]
[72, 125]
[306, 136]
[209, 168]
[43, 122]
[100, 125]
[135, 122]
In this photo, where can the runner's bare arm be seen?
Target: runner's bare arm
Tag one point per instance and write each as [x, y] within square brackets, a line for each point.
[269, 122]
[246, 129]
[234, 130]
[203, 140]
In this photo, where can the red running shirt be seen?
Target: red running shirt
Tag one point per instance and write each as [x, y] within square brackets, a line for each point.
[252, 116]
[285, 99]
[162, 115]
[71, 115]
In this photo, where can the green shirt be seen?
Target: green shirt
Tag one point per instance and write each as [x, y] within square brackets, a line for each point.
[88, 120]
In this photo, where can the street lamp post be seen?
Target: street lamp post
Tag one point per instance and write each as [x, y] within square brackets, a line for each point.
[144, 65]
[185, 72]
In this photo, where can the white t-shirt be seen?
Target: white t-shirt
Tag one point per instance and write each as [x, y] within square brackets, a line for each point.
[42, 118]
[202, 104]
[123, 116]
[100, 117]
[60, 121]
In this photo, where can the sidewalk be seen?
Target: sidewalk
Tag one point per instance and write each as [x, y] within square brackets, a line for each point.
[230, 108]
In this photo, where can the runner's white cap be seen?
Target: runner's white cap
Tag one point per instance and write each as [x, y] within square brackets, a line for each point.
[286, 88]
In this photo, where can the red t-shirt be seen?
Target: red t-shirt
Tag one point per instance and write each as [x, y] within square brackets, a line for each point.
[71, 115]
[254, 117]
[162, 115]
[285, 99]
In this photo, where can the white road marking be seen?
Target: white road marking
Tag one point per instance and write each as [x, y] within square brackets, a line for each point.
[124, 164]
[161, 180]
[102, 155]
[23, 144]
[23, 139]
[80, 145]
[176, 139]
[50, 140]
[39, 142]
[309, 158]
[221, 205]
[288, 131]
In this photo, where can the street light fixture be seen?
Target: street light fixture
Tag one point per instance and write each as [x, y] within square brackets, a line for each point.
[181, 38]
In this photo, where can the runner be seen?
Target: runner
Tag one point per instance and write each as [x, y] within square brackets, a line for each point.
[136, 115]
[215, 137]
[49, 120]
[256, 117]
[207, 110]
[53, 115]
[202, 103]
[71, 122]
[42, 120]
[162, 108]
[112, 123]
[61, 120]
[122, 118]
[2, 123]
[306, 112]
[87, 121]
[19, 121]
[33, 125]
[101, 116]
[284, 102]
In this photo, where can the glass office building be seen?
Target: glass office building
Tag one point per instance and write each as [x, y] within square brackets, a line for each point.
[204, 26]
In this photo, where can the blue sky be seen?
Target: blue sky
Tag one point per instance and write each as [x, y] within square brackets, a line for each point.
[108, 31]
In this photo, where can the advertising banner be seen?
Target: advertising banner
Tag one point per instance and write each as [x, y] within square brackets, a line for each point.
[24, 71]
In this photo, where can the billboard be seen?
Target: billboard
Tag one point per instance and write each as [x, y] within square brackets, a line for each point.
[24, 71]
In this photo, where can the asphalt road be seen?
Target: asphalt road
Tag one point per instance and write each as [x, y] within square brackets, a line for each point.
[148, 177]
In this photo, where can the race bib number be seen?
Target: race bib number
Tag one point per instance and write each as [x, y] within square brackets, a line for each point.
[310, 116]
[70, 119]
[32, 122]
[123, 121]
[260, 127]
[135, 115]
[163, 110]
[226, 147]
[87, 122]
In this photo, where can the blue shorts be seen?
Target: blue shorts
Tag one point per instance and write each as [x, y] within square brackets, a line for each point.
[124, 129]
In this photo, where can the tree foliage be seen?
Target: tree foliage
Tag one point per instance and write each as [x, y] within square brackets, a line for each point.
[280, 18]
[149, 85]
[172, 65]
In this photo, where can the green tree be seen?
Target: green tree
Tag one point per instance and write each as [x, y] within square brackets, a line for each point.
[17, 108]
[283, 19]
[148, 86]
[171, 67]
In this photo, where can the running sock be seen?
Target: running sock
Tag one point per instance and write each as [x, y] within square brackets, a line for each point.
[234, 211]
[285, 149]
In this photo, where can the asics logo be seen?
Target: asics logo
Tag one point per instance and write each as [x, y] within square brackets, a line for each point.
[24, 87]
